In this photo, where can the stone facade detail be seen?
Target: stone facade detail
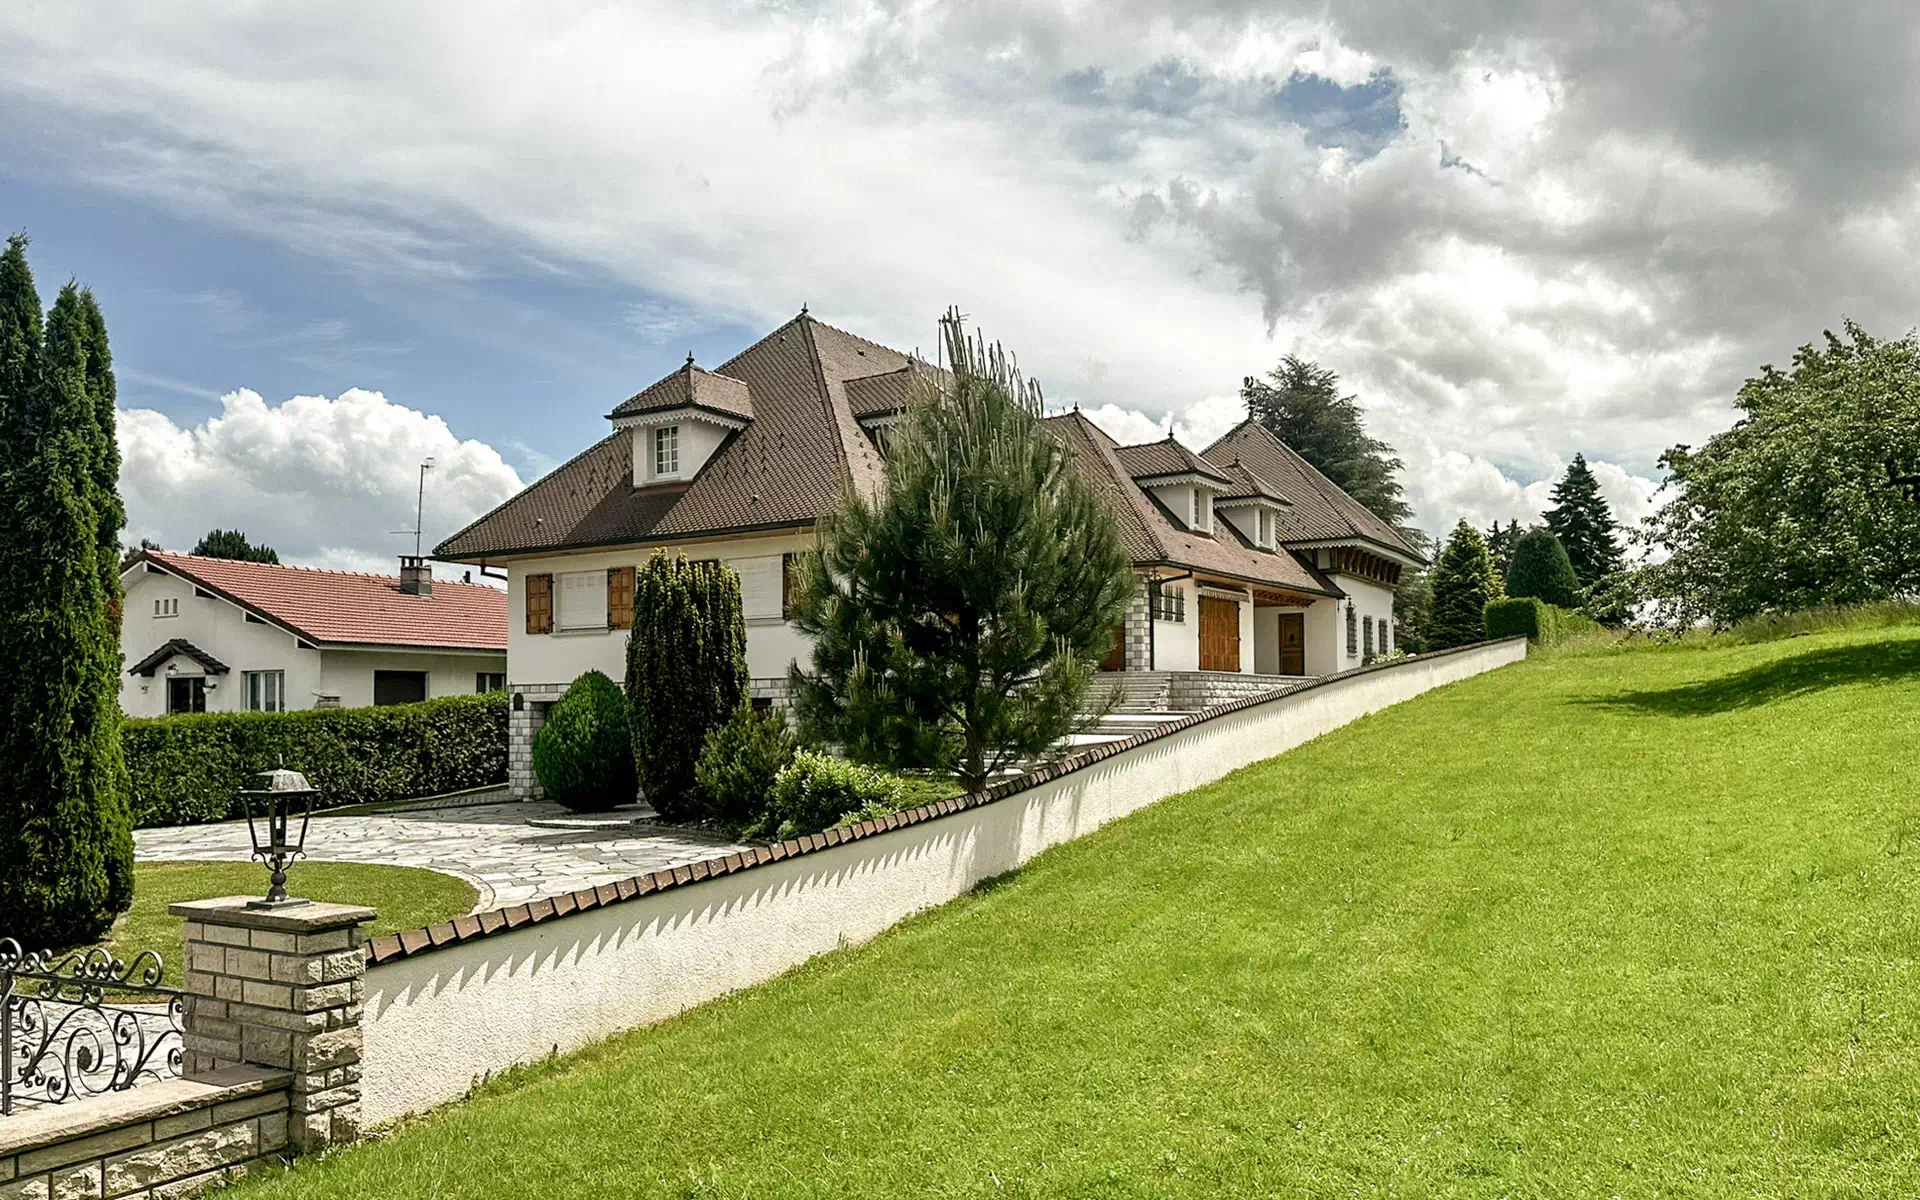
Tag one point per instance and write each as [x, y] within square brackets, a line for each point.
[176, 1137]
[281, 989]
[1139, 633]
[526, 713]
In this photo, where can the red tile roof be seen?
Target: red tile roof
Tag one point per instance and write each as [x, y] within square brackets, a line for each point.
[345, 607]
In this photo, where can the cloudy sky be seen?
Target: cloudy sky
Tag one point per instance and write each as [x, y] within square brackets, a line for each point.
[334, 239]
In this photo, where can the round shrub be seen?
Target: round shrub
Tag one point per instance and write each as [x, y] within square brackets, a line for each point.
[1540, 568]
[584, 753]
[814, 791]
[738, 765]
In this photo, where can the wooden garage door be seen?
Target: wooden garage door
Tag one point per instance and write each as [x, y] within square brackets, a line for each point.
[1219, 634]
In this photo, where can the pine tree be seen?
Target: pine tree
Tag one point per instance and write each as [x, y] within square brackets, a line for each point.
[1463, 583]
[233, 544]
[66, 844]
[1583, 521]
[686, 674]
[958, 615]
[1539, 568]
[1300, 403]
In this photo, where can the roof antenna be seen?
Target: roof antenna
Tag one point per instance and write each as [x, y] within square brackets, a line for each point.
[420, 505]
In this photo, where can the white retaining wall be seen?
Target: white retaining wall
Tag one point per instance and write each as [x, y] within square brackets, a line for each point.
[437, 1021]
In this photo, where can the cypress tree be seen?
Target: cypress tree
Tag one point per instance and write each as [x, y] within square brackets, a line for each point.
[20, 347]
[958, 615]
[66, 845]
[110, 515]
[1539, 568]
[1301, 404]
[1583, 521]
[686, 674]
[1463, 583]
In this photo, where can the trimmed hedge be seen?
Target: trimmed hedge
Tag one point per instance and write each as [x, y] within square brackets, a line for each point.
[1540, 621]
[188, 769]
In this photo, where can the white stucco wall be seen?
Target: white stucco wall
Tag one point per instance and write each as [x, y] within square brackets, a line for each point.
[562, 657]
[1325, 636]
[1369, 599]
[216, 627]
[436, 1022]
[698, 440]
[349, 673]
[1176, 645]
[1266, 641]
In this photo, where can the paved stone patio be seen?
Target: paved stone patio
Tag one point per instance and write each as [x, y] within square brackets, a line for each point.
[512, 851]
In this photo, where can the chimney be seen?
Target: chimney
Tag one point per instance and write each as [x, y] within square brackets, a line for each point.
[416, 576]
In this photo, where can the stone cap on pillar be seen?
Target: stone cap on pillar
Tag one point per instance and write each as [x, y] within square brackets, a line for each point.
[312, 917]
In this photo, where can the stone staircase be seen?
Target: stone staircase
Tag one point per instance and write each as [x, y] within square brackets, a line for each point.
[1135, 691]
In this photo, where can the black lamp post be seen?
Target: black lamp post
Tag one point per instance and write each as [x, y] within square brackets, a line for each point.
[282, 796]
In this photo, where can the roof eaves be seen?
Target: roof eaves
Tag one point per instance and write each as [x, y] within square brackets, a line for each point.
[230, 598]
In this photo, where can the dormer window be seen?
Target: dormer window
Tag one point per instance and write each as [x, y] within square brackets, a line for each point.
[1201, 516]
[1263, 521]
[666, 451]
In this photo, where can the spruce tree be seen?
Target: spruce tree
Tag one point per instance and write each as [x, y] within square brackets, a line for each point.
[66, 844]
[958, 615]
[1539, 568]
[1463, 583]
[1300, 403]
[1583, 521]
[1500, 544]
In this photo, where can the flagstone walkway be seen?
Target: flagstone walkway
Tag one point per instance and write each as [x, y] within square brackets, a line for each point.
[510, 851]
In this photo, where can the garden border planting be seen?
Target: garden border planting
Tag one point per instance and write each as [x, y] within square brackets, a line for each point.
[453, 1003]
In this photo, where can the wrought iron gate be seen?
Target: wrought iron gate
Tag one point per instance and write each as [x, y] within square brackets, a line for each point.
[83, 1023]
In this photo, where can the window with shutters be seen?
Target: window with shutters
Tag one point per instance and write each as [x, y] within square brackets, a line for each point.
[620, 597]
[539, 604]
[1353, 631]
[583, 600]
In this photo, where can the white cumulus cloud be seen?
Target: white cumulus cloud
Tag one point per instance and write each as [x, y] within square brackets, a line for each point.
[324, 481]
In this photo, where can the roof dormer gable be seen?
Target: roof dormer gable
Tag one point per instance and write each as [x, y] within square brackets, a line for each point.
[679, 422]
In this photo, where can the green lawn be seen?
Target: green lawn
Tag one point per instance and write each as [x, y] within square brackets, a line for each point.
[1637, 924]
[407, 897]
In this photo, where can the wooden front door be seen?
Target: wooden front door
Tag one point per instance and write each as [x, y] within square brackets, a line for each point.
[1116, 659]
[1293, 643]
[1219, 634]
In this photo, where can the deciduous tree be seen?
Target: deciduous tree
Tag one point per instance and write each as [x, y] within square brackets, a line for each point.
[1800, 503]
[233, 544]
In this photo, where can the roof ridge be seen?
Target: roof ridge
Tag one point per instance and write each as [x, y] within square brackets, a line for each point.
[339, 572]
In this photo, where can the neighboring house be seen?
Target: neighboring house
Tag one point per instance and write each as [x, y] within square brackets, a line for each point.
[1254, 567]
[216, 635]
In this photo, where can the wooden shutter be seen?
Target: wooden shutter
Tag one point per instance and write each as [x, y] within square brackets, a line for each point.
[539, 604]
[620, 597]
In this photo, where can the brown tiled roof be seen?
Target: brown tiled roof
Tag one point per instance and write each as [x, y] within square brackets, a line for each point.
[394, 946]
[785, 469]
[692, 387]
[345, 607]
[1247, 486]
[1153, 538]
[1159, 459]
[1321, 510]
[876, 395]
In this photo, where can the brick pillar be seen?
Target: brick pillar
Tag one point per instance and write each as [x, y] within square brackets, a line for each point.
[280, 988]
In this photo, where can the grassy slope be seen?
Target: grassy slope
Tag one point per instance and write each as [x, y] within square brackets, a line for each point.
[407, 897]
[1632, 923]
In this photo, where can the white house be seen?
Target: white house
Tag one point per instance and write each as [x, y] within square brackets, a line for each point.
[216, 635]
[1255, 569]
